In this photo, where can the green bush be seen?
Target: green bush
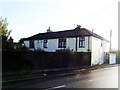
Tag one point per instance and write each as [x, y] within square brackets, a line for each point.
[22, 48]
[6, 45]
[64, 50]
[38, 50]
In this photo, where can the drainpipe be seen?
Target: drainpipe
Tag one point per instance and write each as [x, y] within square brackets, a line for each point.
[88, 43]
[76, 44]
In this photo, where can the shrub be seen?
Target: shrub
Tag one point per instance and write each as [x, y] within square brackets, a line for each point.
[22, 48]
[64, 50]
[39, 50]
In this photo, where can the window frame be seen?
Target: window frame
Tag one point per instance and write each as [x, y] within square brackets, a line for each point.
[82, 41]
[62, 43]
[45, 42]
[32, 45]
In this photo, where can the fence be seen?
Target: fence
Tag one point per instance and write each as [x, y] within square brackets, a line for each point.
[16, 61]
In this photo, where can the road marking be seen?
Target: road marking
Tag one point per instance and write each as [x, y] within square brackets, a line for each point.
[91, 80]
[55, 87]
[65, 74]
[82, 69]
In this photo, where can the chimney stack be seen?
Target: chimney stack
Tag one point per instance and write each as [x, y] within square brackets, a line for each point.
[11, 40]
[49, 30]
[92, 30]
[78, 27]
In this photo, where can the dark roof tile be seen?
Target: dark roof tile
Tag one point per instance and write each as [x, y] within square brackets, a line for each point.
[64, 34]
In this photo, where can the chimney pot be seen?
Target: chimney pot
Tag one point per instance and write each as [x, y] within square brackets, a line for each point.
[78, 27]
[49, 30]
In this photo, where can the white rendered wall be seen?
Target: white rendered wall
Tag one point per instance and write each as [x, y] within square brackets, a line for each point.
[86, 45]
[37, 44]
[71, 43]
[98, 51]
[53, 44]
[26, 43]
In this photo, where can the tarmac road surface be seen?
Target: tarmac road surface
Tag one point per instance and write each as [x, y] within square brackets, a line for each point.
[99, 78]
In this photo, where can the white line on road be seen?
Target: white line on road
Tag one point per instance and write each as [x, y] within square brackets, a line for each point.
[93, 80]
[56, 87]
[90, 80]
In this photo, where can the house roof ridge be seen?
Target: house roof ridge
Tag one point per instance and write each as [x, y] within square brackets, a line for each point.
[96, 35]
[65, 33]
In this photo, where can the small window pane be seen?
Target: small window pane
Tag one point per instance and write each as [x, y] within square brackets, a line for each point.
[81, 42]
[62, 43]
[45, 43]
[80, 38]
[31, 44]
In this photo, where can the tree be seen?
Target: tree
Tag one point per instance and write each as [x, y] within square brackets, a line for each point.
[4, 33]
[22, 48]
[21, 40]
[3, 28]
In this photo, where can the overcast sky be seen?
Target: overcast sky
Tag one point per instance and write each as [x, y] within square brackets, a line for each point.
[29, 17]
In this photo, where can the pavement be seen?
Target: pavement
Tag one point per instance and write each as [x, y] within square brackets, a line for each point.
[13, 77]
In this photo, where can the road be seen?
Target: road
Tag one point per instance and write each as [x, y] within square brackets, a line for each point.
[99, 78]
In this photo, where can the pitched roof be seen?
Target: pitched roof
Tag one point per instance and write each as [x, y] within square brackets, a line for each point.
[77, 32]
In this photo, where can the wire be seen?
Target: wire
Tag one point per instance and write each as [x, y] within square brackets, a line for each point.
[98, 12]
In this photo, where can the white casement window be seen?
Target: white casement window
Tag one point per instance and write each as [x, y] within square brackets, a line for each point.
[45, 43]
[82, 42]
[62, 43]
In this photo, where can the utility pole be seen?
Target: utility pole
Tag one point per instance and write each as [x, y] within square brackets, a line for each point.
[110, 40]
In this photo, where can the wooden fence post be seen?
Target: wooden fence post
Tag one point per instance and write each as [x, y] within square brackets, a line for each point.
[74, 60]
[60, 60]
[42, 61]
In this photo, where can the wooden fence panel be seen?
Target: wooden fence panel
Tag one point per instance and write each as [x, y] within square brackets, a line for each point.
[15, 61]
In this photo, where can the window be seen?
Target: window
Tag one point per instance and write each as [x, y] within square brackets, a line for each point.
[81, 42]
[38, 41]
[45, 43]
[62, 43]
[31, 44]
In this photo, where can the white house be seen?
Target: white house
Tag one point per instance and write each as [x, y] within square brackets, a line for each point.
[78, 39]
